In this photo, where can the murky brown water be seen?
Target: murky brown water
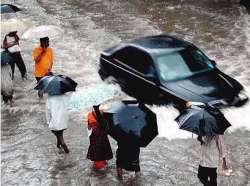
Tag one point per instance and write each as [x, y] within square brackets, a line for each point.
[29, 155]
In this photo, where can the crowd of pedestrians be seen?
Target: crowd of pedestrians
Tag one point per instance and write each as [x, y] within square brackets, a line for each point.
[99, 151]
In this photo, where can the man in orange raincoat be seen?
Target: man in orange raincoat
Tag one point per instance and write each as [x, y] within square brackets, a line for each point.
[43, 57]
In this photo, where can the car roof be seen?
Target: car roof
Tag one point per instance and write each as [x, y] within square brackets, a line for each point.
[152, 44]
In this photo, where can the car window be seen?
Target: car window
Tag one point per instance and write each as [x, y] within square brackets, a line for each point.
[136, 59]
[181, 64]
[201, 58]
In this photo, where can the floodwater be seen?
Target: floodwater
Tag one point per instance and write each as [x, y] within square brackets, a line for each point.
[28, 150]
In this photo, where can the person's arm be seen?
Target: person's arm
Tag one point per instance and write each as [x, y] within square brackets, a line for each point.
[38, 56]
[222, 151]
[7, 44]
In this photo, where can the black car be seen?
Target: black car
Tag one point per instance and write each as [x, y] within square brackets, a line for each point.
[163, 69]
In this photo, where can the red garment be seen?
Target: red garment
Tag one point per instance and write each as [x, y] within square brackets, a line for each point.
[100, 164]
[99, 149]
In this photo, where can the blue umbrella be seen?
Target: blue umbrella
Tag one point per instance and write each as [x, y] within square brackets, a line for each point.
[133, 118]
[8, 8]
[205, 121]
[56, 84]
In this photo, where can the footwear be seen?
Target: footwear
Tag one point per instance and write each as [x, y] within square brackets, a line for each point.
[58, 145]
[24, 77]
[65, 148]
[226, 172]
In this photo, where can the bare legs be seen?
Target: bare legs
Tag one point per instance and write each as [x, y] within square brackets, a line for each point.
[40, 92]
[60, 140]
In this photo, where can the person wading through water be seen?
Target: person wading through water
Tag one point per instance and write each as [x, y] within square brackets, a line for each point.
[43, 57]
[11, 45]
[57, 117]
[99, 150]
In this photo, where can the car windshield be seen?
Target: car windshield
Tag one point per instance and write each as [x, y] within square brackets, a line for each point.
[181, 64]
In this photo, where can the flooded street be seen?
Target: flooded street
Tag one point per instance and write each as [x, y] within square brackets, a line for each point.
[29, 155]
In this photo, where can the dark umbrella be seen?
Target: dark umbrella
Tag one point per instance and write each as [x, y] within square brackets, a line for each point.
[56, 84]
[205, 121]
[8, 8]
[131, 119]
[6, 58]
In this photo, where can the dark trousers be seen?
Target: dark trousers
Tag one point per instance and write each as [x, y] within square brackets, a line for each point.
[18, 60]
[7, 98]
[207, 176]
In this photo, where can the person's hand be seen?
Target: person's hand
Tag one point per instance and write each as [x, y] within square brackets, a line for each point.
[188, 104]
[43, 50]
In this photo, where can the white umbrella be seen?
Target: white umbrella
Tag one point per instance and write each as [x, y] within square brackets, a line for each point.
[50, 31]
[14, 24]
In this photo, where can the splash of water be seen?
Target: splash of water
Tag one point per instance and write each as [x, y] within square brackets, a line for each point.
[92, 95]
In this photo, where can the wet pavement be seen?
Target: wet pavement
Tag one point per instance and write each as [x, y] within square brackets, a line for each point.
[28, 149]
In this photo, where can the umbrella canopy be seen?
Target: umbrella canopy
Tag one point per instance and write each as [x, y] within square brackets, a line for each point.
[8, 8]
[42, 31]
[6, 58]
[205, 121]
[130, 118]
[56, 84]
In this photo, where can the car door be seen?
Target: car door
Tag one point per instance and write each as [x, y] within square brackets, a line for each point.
[137, 75]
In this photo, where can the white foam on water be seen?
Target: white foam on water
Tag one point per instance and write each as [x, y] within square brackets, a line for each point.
[167, 127]
[92, 95]
[239, 118]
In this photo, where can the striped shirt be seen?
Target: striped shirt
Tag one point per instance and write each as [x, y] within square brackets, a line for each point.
[211, 151]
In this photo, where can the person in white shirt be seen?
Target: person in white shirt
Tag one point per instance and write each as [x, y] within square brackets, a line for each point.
[11, 44]
[212, 151]
[57, 117]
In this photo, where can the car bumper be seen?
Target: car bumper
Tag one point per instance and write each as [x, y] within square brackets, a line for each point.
[239, 100]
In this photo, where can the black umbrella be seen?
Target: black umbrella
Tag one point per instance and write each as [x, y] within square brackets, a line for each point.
[8, 8]
[56, 84]
[131, 119]
[6, 58]
[206, 121]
